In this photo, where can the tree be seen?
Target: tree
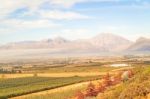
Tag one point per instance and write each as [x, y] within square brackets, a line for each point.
[100, 87]
[90, 91]
[107, 80]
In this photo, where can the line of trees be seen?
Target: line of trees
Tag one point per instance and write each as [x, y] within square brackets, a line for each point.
[93, 90]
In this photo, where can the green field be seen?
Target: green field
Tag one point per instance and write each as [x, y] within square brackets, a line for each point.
[21, 86]
[58, 95]
[73, 69]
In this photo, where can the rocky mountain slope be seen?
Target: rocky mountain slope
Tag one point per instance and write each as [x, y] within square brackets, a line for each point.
[103, 42]
[141, 44]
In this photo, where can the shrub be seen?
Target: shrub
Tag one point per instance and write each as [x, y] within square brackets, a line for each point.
[100, 88]
[79, 95]
[107, 80]
[90, 91]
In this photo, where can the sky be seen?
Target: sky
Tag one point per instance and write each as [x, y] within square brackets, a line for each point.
[22, 20]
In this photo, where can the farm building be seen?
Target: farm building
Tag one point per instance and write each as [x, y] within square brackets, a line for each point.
[6, 68]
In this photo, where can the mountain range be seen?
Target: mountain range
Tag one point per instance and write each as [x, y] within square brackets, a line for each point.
[141, 44]
[104, 42]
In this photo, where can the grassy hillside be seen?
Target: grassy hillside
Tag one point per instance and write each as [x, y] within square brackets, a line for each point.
[137, 87]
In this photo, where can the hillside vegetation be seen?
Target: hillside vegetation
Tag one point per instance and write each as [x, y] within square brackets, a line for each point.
[137, 87]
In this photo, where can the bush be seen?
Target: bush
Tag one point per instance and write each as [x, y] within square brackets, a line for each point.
[79, 95]
[90, 91]
[135, 90]
[137, 87]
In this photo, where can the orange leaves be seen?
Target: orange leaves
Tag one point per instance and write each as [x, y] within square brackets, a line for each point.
[107, 80]
[90, 91]
[100, 87]
[79, 95]
[117, 78]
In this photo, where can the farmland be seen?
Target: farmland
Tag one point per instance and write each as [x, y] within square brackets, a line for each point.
[20, 86]
[57, 78]
[57, 93]
[62, 72]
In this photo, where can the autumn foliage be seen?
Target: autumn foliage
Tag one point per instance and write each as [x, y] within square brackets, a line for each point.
[100, 87]
[90, 91]
[79, 95]
[107, 80]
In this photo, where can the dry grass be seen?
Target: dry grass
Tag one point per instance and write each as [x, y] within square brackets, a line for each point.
[83, 74]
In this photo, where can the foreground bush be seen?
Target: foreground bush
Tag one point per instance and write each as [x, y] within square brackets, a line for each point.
[135, 90]
[137, 87]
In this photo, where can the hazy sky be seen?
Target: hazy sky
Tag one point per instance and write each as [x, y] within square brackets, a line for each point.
[72, 19]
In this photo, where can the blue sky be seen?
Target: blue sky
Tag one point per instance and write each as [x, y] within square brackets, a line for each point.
[22, 20]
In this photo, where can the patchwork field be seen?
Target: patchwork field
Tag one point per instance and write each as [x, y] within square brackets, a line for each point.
[58, 93]
[20, 86]
[60, 80]
[62, 72]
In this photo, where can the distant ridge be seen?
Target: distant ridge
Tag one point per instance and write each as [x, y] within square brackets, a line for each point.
[104, 42]
[141, 44]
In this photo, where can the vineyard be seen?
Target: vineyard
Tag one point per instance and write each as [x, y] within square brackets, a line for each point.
[85, 91]
[122, 84]
[21, 86]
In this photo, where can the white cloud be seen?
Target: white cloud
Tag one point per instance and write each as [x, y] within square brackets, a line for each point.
[8, 6]
[5, 30]
[62, 15]
[45, 20]
[22, 24]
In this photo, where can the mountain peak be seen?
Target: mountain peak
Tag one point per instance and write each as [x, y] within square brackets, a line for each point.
[141, 44]
[106, 34]
[59, 38]
[110, 41]
[101, 42]
[109, 36]
[46, 40]
[141, 39]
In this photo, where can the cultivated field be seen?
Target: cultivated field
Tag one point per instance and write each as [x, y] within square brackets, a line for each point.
[20, 86]
[61, 72]
[58, 93]
[54, 79]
